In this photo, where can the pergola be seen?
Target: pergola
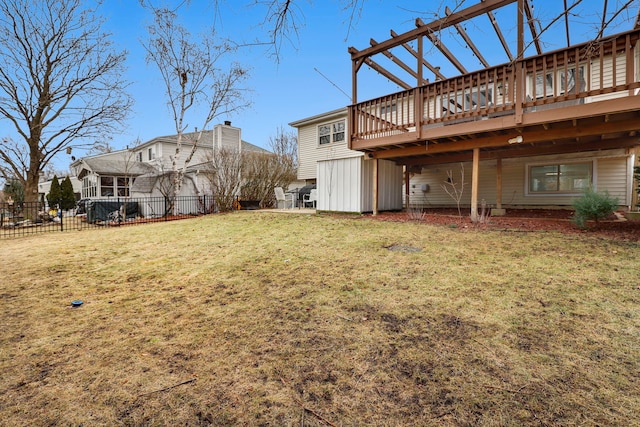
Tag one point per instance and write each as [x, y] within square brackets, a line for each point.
[517, 125]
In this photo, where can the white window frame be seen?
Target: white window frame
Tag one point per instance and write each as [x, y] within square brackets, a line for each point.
[549, 81]
[331, 133]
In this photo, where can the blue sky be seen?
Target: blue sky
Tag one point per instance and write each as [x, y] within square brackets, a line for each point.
[292, 89]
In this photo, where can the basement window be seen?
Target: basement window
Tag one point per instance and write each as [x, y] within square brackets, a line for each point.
[570, 178]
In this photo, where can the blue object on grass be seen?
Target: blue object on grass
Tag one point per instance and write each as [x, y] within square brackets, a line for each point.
[76, 303]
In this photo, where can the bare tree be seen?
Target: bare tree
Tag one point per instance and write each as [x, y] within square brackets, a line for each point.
[262, 172]
[253, 175]
[225, 176]
[101, 147]
[192, 76]
[284, 19]
[454, 189]
[60, 83]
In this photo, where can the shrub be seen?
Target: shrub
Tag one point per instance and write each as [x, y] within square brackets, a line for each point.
[593, 205]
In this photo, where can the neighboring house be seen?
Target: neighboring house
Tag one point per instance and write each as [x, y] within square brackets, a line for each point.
[44, 187]
[145, 170]
[533, 132]
[342, 176]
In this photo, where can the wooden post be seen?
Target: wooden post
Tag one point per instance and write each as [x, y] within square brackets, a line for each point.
[417, 93]
[375, 186]
[498, 211]
[520, 71]
[474, 184]
[499, 184]
[407, 190]
[634, 183]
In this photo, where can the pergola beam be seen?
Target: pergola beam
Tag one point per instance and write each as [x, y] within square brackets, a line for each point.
[498, 31]
[566, 24]
[383, 71]
[434, 70]
[398, 62]
[442, 48]
[437, 25]
[532, 25]
[468, 40]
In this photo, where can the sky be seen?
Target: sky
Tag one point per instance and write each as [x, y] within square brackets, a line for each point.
[313, 73]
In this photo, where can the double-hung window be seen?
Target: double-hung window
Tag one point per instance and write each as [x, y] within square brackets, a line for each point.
[331, 132]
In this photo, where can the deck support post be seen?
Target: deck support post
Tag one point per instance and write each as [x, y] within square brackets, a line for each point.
[375, 187]
[474, 184]
[407, 190]
[635, 154]
[498, 211]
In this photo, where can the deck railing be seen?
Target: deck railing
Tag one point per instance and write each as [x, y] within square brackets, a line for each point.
[580, 74]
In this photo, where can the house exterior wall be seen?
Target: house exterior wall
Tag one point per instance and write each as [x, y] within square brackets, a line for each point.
[611, 172]
[226, 136]
[310, 152]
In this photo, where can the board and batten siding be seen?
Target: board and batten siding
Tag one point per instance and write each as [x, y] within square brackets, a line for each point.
[346, 185]
[611, 172]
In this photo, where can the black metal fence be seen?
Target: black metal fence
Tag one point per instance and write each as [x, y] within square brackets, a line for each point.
[21, 219]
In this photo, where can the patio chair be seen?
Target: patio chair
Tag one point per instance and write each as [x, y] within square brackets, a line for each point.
[312, 198]
[283, 197]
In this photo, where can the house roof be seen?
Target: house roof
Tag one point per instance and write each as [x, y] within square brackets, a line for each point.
[144, 183]
[118, 163]
[335, 114]
[206, 138]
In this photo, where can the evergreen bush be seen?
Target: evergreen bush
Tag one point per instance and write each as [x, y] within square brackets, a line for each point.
[593, 206]
[55, 193]
[67, 196]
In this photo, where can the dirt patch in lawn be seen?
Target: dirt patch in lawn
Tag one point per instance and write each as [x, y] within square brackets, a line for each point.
[529, 220]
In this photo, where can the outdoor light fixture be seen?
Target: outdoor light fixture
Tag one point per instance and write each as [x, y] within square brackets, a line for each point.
[517, 140]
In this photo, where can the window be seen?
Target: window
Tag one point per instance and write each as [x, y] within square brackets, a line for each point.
[568, 178]
[466, 100]
[387, 108]
[123, 186]
[139, 156]
[332, 132]
[106, 186]
[89, 186]
[114, 186]
[545, 86]
[152, 154]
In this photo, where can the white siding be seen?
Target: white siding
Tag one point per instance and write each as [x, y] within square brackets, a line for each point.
[389, 186]
[613, 177]
[346, 185]
[339, 185]
[310, 152]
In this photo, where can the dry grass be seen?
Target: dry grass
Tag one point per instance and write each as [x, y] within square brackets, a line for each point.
[281, 320]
